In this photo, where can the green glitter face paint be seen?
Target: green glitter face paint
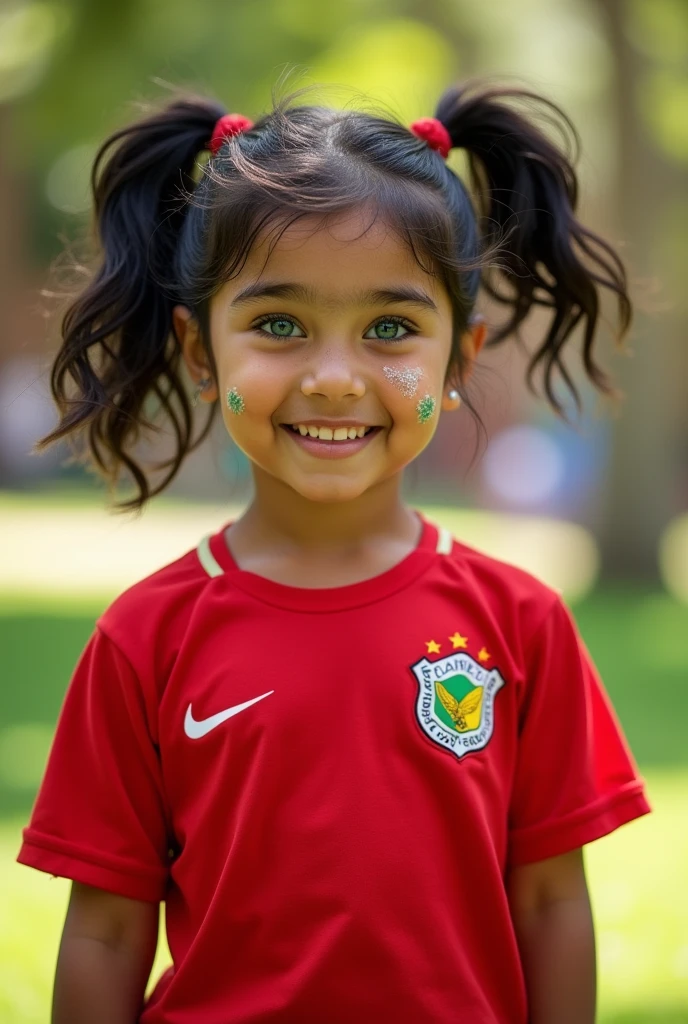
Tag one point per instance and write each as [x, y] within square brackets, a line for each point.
[425, 408]
[235, 402]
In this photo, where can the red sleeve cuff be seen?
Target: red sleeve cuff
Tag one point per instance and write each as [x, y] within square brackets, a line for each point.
[539, 842]
[57, 857]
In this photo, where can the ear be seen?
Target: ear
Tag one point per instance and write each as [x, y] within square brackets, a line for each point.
[472, 341]
[188, 334]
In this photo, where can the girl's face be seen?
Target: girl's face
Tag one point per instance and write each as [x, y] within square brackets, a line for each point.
[339, 329]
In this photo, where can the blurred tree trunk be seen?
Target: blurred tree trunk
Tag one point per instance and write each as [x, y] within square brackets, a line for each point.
[644, 481]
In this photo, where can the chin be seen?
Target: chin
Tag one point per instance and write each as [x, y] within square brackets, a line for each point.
[330, 492]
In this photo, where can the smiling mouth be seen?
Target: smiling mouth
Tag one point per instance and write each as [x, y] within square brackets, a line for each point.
[330, 434]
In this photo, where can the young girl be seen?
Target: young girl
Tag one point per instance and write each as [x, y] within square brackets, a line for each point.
[355, 758]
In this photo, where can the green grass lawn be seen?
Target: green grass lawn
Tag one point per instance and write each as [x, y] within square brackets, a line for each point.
[637, 876]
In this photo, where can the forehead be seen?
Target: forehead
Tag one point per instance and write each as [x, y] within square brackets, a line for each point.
[335, 258]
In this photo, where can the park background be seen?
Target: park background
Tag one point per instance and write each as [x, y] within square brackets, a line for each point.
[597, 508]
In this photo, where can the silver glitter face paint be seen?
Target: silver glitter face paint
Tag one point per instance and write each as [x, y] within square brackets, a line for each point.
[404, 378]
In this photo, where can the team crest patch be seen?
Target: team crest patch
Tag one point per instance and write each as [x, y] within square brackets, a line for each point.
[455, 705]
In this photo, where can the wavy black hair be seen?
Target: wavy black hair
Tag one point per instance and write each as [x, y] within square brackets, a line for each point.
[171, 230]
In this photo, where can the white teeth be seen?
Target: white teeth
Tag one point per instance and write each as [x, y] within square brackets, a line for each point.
[328, 433]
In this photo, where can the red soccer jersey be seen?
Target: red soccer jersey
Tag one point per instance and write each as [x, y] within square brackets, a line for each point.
[327, 786]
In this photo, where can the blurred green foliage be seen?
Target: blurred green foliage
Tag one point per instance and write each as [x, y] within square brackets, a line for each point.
[101, 62]
[76, 70]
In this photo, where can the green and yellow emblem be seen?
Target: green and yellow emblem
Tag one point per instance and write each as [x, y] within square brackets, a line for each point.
[455, 705]
[458, 707]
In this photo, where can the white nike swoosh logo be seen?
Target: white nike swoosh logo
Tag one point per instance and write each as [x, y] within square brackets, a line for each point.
[194, 730]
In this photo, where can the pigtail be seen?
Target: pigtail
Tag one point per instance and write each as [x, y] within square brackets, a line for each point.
[118, 348]
[526, 192]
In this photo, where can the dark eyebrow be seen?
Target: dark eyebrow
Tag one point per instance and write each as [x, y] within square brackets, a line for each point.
[300, 293]
[389, 296]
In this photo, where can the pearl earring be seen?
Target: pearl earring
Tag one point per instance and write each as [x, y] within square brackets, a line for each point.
[453, 396]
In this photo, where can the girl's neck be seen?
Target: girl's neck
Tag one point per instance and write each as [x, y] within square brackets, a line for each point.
[277, 512]
[287, 538]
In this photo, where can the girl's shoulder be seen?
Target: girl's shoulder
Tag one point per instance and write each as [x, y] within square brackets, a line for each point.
[498, 580]
[528, 616]
[147, 619]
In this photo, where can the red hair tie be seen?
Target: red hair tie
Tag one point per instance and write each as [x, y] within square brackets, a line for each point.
[434, 133]
[228, 126]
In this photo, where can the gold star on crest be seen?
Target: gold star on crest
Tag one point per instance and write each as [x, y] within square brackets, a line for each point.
[458, 640]
[433, 647]
[483, 655]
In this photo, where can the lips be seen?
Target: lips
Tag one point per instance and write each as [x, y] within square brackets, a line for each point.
[331, 442]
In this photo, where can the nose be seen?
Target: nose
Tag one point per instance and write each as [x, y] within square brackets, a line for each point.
[334, 377]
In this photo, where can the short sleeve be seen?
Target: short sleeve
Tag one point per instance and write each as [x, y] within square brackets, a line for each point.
[99, 816]
[575, 778]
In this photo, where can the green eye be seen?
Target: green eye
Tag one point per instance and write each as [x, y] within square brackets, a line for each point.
[385, 329]
[281, 326]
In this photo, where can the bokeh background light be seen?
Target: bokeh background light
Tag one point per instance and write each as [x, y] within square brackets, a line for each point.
[524, 466]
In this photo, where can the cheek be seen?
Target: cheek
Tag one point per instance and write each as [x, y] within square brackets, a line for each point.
[410, 388]
[257, 380]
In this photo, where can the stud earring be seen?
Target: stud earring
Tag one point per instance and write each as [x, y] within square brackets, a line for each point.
[425, 408]
[235, 402]
[202, 385]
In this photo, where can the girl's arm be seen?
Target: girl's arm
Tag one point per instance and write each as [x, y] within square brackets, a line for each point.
[105, 958]
[552, 917]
